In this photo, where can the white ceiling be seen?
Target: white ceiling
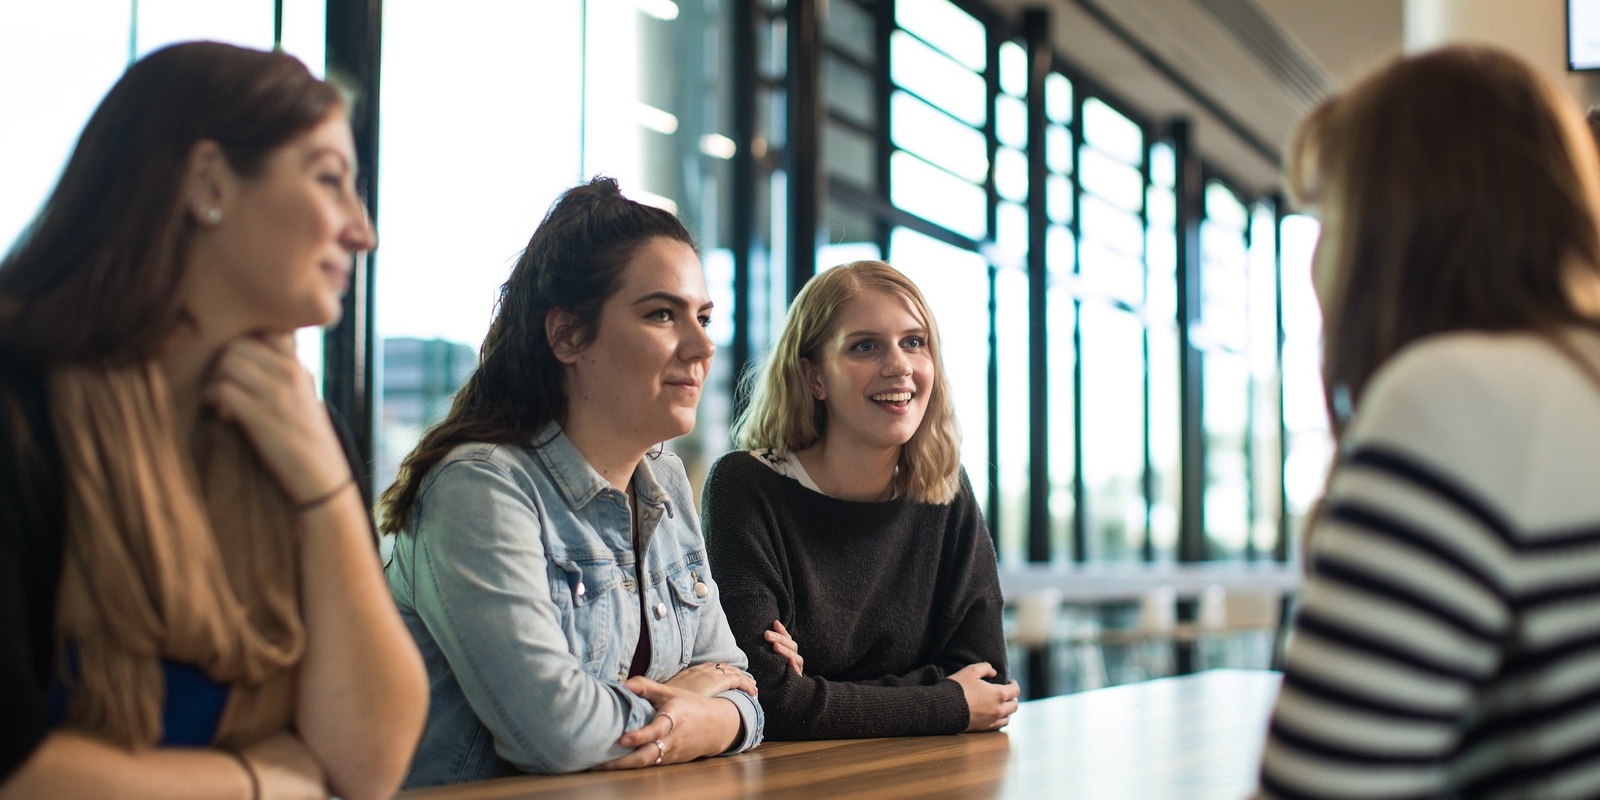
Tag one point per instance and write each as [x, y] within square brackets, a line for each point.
[1262, 62]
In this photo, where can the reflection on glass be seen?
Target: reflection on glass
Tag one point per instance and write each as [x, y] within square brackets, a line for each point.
[1011, 174]
[1011, 335]
[1058, 199]
[938, 137]
[1113, 180]
[1163, 165]
[851, 28]
[956, 284]
[1013, 69]
[1161, 284]
[1106, 128]
[1058, 98]
[1226, 419]
[1266, 456]
[1061, 252]
[1058, 150]
[1121, 231]
[936, 78]
[1011, 121]
[1113, 432]
[1224, 288]
[1107, 274]
[1011, 230]
[248, 23]
[438, 284]
[848, 90]
[1162, 208]
[850, 155]
[1166, 500]
[943, 25]
[83, 54]
[937, 196]
[1061, 322]
[1223, 207]
[305, 36]
[1309, 448]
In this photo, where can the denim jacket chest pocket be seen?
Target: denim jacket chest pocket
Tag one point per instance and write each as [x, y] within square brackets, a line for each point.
[690, 588]
[585, 591]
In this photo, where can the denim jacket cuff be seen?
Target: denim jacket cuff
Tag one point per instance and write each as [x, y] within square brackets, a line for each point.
[750, 715]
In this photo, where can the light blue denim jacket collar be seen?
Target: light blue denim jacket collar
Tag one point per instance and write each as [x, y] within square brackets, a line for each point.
[578, 481]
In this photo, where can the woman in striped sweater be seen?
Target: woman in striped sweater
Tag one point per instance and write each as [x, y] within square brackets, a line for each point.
[1448, 643]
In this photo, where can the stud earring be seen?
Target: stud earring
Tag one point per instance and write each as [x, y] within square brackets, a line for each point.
[211, 215]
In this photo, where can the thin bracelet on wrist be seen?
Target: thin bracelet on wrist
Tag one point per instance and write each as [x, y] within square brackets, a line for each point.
[249, 771]
[325, 496]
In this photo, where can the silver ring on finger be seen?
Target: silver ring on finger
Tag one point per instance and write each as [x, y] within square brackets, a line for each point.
[670, 720]
[661, 748]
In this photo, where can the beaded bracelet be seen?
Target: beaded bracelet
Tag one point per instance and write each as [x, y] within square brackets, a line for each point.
[324, 497]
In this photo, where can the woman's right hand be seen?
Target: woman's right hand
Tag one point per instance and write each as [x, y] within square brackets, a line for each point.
[709, 680]
[285, 769]
[989, 705]
[688, 725]
[258, 384]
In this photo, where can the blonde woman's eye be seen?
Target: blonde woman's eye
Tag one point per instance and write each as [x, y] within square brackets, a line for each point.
[863, 346]
[914, 342]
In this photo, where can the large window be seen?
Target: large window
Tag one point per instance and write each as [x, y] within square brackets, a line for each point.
[471, 165]
[488, 109]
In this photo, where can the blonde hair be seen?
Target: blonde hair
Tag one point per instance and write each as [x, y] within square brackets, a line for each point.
[1459, 191]
[784, 415]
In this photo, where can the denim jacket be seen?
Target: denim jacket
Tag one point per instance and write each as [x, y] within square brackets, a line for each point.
[515, 575]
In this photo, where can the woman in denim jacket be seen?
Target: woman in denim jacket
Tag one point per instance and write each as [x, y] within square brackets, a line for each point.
[549, 561]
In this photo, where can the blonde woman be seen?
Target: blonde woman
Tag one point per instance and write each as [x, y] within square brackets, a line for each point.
[856, 570]
[1447, 641]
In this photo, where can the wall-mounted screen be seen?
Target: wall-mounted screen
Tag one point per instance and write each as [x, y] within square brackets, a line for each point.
[1583, 34]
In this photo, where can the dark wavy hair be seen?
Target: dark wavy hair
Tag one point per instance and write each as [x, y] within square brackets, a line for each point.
[574, 262]
[96, 277]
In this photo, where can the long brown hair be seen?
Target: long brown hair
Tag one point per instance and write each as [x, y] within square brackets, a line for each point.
[96, 276]
[575, 262]
[1459, 190]
[784, 415]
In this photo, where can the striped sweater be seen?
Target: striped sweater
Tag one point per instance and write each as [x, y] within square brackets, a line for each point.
[1448, 642]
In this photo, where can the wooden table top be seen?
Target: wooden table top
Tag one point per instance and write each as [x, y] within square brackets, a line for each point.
[1195, 737]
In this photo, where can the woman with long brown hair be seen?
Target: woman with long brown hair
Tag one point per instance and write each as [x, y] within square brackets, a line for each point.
[548, 558]
[1445, 646]
[190, 598]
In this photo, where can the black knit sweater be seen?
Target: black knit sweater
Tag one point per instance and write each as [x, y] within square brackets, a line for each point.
[885, 600]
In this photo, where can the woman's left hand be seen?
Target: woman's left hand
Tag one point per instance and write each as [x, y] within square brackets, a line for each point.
[258, 384]
[710, 679]
[784, 645]
[688, 725]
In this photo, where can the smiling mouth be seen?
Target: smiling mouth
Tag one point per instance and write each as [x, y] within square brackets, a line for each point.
[893, 398]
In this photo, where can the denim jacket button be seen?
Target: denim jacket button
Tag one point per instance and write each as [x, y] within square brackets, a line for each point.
[661, 610]
[700, 589]
[582, 590]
